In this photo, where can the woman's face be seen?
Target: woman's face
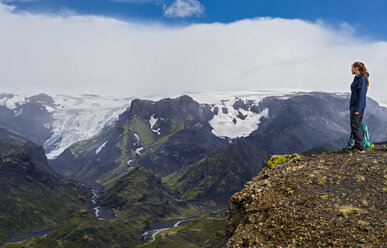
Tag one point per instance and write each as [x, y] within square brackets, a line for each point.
[354, 70]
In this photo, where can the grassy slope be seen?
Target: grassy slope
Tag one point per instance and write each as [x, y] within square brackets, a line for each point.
[213, 180]
[33, 199]
[140, 196]
[83, 230]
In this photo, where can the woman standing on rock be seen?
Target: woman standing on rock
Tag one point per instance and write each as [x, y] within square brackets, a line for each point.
[359, 88]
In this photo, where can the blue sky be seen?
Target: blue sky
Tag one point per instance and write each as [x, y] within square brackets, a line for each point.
[366, 17]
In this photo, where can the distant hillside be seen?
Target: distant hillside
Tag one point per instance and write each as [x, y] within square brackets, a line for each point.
[213, 180]
[30, 197]
[9, 141]
[140, 197]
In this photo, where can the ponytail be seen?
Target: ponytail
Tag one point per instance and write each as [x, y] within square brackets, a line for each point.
[363, 70]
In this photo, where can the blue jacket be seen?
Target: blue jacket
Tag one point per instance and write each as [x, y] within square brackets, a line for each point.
[358, 93]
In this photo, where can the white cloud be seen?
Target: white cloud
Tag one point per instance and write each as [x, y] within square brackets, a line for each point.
[184, 8]
[90, 54]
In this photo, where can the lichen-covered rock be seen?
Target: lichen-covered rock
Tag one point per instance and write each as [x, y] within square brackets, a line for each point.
[334, 199]
[279, 159]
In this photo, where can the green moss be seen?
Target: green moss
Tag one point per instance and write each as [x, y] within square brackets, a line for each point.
[279, 159]
[78, 147]
[142, 129]
[126, 152]
[323, 197]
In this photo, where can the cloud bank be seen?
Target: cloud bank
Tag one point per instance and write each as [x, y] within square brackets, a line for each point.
[90, 54]
[184, 8]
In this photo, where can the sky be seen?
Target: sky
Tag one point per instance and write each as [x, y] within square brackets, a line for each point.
[142, 47]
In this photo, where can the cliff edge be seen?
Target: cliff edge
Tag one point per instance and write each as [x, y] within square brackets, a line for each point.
[333, 199]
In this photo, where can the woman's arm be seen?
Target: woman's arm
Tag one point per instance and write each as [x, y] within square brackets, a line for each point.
[360, 103]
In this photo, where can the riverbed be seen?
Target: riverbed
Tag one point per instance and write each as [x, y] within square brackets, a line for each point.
[32, 234]
[156, 228]
[100, 212]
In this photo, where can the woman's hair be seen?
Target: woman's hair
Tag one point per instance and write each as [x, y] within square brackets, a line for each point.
[363, 70]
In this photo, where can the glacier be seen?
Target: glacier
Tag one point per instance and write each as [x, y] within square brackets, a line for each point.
[80, 118]
[73, 118]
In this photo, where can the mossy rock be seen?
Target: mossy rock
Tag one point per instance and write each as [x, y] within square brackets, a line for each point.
[274, 160]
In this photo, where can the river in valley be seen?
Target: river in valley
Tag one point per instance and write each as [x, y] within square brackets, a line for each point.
[100, 212]
[156, 228]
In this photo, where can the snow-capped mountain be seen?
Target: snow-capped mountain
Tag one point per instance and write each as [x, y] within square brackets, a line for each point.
[56, 122]
[237, 114]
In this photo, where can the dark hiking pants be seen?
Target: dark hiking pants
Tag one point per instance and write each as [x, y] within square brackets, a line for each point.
[357, 128]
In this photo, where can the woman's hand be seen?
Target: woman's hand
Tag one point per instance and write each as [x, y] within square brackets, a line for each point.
[356, 113]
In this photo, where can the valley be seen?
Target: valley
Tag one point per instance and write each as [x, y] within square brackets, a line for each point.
[152, 173]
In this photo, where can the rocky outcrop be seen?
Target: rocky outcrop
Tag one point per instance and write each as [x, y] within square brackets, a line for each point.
[334, 199]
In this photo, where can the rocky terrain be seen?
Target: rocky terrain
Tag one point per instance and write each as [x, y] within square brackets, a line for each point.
[333, 199]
